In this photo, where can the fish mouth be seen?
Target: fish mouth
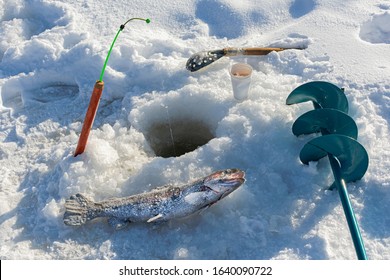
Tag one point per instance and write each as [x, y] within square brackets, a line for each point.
[233, 183]
[227, 175]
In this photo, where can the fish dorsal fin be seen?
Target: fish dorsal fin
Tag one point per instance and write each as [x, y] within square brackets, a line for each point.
[163, 187]
[155, 218]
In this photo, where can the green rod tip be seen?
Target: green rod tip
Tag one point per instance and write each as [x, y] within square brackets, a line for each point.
[147, 20]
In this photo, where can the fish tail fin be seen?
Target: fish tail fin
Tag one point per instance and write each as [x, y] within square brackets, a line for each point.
[79, 210]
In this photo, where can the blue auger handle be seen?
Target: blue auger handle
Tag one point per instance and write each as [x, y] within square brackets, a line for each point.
[348, 210]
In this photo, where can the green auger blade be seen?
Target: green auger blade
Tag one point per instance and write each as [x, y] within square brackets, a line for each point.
[322, 94]
[352, 156]
[327, 121]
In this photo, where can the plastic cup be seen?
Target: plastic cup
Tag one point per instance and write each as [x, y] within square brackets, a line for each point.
[241, 74]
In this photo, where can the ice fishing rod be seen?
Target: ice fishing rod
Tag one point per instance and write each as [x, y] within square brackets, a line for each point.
[96, 94]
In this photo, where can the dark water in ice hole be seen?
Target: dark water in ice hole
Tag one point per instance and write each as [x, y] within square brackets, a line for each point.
[176, 138]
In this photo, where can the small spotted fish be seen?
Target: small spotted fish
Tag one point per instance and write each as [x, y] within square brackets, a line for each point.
[161, 204]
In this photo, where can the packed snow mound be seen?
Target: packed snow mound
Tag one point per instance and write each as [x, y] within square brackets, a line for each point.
[51, 54]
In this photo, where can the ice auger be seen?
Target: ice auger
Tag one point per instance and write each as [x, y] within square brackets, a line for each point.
[348, 158]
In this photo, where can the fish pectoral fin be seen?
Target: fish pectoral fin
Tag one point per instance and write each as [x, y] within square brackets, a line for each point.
[118, 223]
[155, 218]
[194, 198]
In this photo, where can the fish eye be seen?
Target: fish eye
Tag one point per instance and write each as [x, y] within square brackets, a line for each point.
[228, 172]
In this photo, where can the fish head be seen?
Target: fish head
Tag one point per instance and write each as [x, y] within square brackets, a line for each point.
[224, 182]
[214, 187]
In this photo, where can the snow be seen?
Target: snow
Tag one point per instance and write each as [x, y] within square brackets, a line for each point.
[51, 54]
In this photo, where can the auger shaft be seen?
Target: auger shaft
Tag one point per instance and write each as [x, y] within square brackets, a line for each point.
[348, 210]
[345, 201]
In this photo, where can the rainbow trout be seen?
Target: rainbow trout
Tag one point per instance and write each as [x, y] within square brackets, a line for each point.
[161, 204]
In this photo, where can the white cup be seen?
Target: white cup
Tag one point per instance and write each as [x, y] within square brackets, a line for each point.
[240, 74]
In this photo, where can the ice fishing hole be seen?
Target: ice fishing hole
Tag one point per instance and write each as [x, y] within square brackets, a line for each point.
[178, 137]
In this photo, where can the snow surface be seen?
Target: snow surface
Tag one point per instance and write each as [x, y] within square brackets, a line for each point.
[51, 54]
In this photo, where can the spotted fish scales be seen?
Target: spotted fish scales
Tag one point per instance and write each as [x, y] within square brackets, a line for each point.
[161, 204]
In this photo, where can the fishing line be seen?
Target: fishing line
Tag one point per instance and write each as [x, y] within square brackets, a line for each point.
[113, 42]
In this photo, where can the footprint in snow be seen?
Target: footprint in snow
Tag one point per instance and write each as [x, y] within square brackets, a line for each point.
[377, 29]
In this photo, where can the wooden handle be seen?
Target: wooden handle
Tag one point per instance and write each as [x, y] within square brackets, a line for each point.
[89, 117]
[262, 51]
